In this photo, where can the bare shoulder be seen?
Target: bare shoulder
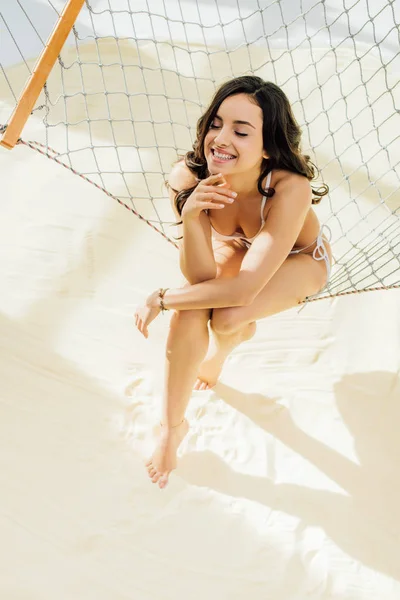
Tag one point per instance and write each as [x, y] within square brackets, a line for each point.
[181, 178]
[287, 180]
[291, 189]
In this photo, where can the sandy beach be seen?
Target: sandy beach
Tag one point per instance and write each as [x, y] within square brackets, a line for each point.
[288, 483]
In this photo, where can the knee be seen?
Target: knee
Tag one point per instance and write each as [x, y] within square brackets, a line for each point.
[189, 318]
[225, 320]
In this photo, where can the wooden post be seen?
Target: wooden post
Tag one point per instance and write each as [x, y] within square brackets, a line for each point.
[41, 72]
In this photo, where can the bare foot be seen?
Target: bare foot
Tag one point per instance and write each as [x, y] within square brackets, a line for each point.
[220, 348]
[163, 460]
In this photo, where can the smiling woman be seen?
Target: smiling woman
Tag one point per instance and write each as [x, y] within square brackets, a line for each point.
[290, 467]
[251, 244]
[233, 142]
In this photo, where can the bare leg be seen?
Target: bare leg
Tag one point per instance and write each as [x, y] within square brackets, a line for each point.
[221, 345]
[186, 347]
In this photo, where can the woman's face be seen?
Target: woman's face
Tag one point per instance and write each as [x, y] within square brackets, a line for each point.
[234, 142]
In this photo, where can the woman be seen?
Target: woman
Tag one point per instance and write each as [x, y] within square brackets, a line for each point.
[251, 243]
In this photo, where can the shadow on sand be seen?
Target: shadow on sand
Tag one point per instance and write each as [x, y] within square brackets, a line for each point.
[364, 522]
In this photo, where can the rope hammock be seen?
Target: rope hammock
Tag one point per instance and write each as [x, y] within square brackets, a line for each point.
[118, 89]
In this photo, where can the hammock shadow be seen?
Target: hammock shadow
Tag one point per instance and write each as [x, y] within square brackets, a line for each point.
[364, 521]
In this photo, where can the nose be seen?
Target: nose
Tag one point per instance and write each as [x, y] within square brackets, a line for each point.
[222, 139]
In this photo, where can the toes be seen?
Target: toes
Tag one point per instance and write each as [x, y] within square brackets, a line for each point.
[156, 475]
[197, 384]
[163, 481]
[203, 385]
[151, 469]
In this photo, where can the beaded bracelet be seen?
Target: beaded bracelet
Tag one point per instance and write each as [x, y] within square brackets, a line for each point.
[161, 293]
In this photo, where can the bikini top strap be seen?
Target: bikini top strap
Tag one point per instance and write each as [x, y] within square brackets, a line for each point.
[268, 182]
[264, 198]
[263, 201]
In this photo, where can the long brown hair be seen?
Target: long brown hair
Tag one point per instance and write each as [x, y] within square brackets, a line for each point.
[281, 136]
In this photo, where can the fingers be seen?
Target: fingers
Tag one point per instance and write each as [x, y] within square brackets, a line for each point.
[225, 192]
[211, 206]
[213, 200]
[143, 330]
[221, 195]
[209, 195]
[213, 179]
[139, 324]
[216, 180]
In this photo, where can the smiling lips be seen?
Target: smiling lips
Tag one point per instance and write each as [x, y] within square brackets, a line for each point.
[221, 156]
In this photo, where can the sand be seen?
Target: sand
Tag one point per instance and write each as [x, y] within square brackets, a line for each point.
[287, 486]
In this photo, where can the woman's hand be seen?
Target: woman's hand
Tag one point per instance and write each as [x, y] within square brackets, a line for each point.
[144, 315]
[208, 195]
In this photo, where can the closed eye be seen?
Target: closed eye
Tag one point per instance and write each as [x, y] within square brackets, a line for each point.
[237, 132]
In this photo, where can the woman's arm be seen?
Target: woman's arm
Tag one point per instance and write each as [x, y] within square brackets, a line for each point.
[291, 203]
[196, 256]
